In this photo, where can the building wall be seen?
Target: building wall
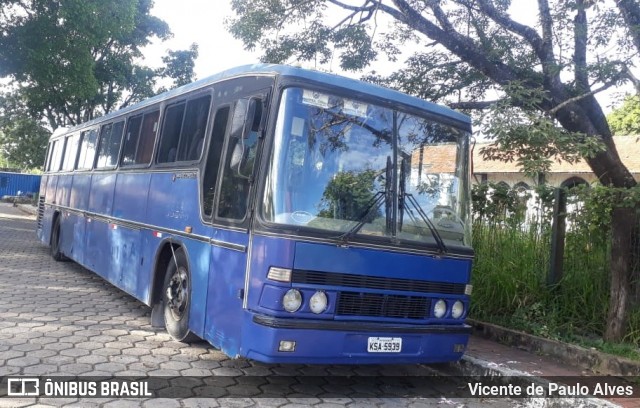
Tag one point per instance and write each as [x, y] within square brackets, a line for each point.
[552, 179]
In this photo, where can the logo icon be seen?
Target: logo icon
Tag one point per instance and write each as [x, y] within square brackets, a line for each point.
[23, 387]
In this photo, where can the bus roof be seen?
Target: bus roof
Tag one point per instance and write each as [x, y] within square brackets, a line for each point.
[292, 72]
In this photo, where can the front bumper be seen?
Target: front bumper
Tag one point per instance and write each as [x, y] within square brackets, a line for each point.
[345, 342]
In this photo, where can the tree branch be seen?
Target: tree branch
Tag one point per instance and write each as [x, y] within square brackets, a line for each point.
[546, 21]
[473, 105]
[542, 50]
[580, 31]
[630, 10]
[457, 44]
[578, 98]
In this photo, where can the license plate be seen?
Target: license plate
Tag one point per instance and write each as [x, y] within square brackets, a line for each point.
[384, 345]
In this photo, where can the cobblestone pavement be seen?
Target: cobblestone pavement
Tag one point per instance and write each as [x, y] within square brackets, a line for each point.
[59, 319]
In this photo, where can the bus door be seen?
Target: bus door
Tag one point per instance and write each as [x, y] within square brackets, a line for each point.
[236, 136]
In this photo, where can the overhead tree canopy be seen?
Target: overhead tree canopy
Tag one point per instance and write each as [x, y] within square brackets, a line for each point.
[74, 60]
[539, 80]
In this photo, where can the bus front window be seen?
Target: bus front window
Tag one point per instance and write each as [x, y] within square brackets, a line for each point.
[334, 168]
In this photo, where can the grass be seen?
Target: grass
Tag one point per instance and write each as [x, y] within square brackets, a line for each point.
[510, 286]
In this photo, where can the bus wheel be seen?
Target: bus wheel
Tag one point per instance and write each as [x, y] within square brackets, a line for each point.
[56, 253]
[176, 296]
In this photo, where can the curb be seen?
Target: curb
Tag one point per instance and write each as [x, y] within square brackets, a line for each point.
[587, 359]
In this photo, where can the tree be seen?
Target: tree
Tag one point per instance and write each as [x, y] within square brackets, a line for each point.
[625, 120]
[75, 60]
[23, 140]
[545, 75]
[179, 65]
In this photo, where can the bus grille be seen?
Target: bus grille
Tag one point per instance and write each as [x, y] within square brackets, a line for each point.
[380, 305]
[374, 282]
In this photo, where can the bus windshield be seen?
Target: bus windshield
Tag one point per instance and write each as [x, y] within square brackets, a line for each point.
[353, 169]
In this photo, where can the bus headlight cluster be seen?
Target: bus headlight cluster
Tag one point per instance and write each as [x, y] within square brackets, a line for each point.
[457, 309]
[318, 302]
[440, 309]
[292, 300]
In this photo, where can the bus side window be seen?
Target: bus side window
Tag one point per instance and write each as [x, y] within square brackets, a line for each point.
[56, 156]
[147, 137]
[240, 158]
[131, 140]
[192, 135]
[87, 149]
[71, 153]
[170, 135]
[140, 138]
[109, 145]
[47, 163]
[213, 159]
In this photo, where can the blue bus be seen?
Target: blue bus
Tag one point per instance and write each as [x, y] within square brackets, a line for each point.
[281, 214]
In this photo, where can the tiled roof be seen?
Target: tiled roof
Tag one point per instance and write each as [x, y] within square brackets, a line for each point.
[628, 148]
[435, 158]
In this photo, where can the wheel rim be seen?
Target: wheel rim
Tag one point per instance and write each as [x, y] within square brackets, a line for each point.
[178, 293]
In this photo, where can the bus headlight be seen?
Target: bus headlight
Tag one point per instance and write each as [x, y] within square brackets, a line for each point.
[440, 308]
[457, 309]
[318, 302]
[292, 300]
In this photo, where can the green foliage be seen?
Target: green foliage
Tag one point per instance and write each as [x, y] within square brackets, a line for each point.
[511, 289]
[23, 140]
[530, 137]
[179, 65]
[76, 59]
[625, 120]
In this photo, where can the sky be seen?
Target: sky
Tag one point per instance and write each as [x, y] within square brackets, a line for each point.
[202, 22]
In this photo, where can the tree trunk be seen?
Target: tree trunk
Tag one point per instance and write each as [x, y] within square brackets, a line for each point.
[624, 222]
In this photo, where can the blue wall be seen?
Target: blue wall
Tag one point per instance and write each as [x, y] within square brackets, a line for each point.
[11, 183]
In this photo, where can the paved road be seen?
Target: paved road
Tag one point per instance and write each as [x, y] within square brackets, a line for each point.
[59, 319]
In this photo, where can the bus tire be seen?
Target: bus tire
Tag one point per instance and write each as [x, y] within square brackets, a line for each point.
[56, 253]
[176, 298]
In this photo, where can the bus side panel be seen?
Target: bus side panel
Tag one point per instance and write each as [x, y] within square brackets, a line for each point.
[79, 197]
[64, 189]
[130, 203]
[199, 254]
[226, 285]
[67, 218]
[174, 201]
[41, 213]
[174, 204]
[50, 200]
[79, 200]
[125, 257]
[98, 244]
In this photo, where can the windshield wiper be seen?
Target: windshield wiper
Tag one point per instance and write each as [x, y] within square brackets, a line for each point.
[436, 235]
[375, 203]
[404, 198]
